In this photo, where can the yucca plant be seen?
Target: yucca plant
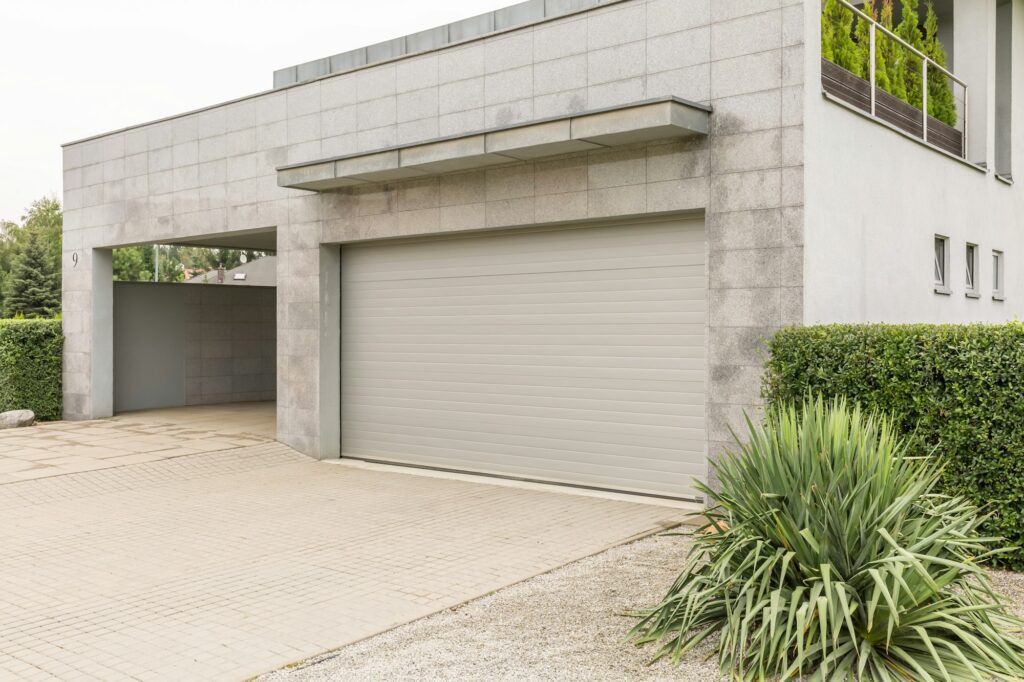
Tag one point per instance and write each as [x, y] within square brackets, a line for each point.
[828, 556]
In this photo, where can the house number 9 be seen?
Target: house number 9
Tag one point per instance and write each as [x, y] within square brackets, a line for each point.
[74, 259]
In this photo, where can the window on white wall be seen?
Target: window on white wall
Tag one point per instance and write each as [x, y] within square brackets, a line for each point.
[941, 264]
[971, 270]
[997, 275]
[1004, 88]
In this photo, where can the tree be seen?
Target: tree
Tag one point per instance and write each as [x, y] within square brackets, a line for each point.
[136, 263]
[133, 264]
[892, 54]
[33, 286]
[941, 103]
[837, 43]
[864, 47]
[44, 218]
[909, 30]
[8, 235]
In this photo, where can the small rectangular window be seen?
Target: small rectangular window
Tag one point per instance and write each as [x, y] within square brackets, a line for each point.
[997, 275]
[971, 270]
[941, 264]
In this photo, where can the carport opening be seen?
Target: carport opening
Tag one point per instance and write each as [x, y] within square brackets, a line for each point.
[194, 324]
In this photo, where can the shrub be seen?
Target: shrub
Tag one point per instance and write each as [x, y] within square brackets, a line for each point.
[30, 367]
[828, 554]
[959, 388]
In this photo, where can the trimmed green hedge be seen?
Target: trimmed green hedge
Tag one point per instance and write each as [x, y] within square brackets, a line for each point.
[957, 388]
[30, 367]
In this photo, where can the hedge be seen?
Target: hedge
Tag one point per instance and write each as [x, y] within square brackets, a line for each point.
[30, 367]
[957, 390]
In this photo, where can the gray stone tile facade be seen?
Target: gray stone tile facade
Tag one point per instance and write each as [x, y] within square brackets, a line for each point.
[213, 171]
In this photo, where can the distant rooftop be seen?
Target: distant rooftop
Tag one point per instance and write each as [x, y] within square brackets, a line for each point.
[522, 14]
[261, 272]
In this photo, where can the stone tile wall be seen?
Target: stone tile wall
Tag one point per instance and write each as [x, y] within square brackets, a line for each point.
[230, 344]
[213, 171]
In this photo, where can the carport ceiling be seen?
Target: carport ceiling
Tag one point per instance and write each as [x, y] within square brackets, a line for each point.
[264, 239]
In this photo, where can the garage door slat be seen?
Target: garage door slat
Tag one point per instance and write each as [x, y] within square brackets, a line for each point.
[574, 355]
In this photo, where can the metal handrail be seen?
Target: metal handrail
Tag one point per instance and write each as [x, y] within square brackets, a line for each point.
[925, 61]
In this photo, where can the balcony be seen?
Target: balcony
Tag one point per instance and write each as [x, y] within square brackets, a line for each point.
[867, 66]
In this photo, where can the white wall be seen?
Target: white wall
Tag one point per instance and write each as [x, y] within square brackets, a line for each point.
[874, 201]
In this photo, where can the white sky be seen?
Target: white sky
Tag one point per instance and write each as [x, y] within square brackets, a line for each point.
[70, 69]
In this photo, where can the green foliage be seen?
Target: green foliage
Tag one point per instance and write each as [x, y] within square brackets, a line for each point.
[44, 219]
[33, 288]
[941, 104]
[30, 367]
[837, 44]
[957, 388]
[864, 47]
[898, 71]
[909, 30]
[133, 264]
[137, 263]
[894, 54]
[828, 554]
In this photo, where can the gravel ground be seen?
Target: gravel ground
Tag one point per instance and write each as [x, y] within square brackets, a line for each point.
[565, 625]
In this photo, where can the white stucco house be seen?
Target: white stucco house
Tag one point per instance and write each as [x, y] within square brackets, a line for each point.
[547, 242]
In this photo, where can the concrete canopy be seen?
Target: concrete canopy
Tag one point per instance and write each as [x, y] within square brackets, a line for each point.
[639, 122]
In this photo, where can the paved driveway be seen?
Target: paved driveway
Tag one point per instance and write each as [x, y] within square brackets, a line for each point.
[223, 564]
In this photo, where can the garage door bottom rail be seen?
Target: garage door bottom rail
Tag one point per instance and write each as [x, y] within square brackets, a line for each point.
[527, 479]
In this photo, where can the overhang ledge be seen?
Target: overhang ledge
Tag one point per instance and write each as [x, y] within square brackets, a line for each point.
[664, 118]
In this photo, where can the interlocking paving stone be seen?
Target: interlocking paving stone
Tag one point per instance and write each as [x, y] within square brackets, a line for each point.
[225, 564]
[58, 448]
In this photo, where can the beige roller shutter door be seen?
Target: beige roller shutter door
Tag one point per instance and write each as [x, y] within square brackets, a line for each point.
[570, 355]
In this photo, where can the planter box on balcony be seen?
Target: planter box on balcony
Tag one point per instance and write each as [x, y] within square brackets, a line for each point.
[856, 91]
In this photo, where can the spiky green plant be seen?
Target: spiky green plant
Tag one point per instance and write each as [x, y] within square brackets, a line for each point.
[828, 555]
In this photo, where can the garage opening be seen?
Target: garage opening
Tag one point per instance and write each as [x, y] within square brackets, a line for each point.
[193, 325]
[573, 356]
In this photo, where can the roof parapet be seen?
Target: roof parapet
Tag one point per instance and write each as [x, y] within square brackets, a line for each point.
[513, 16]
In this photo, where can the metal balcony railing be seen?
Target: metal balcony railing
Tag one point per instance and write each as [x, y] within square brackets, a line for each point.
[885, 107]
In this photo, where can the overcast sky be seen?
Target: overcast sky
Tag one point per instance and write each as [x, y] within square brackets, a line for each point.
[70, 69]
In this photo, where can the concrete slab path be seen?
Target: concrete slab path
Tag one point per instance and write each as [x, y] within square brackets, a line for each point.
[222, 564]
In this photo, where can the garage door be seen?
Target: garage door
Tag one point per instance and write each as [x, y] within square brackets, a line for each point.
[570, 355]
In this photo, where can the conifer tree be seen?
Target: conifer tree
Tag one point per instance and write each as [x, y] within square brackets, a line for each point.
[941, 103]
[894, 55]
[828, 33]
[33, 289]
[837, 45]
[909, 30]
[864, 47]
